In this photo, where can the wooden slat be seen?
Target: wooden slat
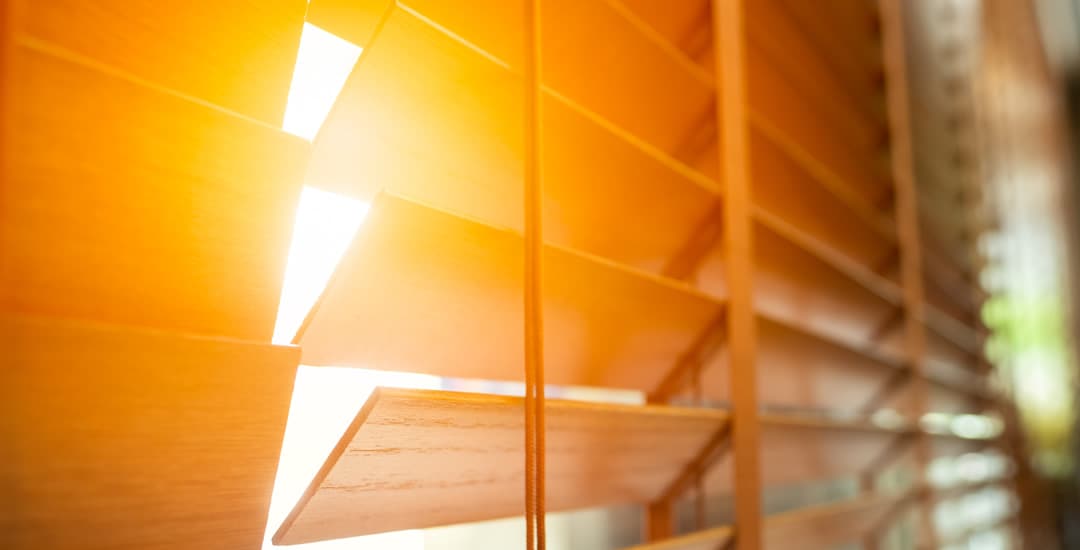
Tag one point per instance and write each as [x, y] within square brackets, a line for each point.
[958, 335]
[236, 54]
[173, 214]
[783, 45]
[829, 525]
[126, 438]
[824, 174]
[777, 100]
[825, 449]
[795, 284]
[682, 23]
[425, 291]
[781, 49]
[829, 448]
[607, 192]
[415, 458]
[835, 219]
[709, 539]
[845, 42]
[678, 93]
[802, 370]
[816, 527]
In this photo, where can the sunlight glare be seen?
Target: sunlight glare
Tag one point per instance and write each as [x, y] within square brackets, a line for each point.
[325, 401]
[323, 63]
[325, 225]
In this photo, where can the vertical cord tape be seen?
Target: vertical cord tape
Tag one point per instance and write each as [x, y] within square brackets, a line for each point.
[534, 318]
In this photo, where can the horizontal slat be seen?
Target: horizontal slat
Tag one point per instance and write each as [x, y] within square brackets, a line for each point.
[811, 290]
[816, 527]
[237, 54]
[779, 40]
[830, 525]
[415, 459]
[845, 37]
[678, 95]
[963, 306]
[802, 448]
[118, 437]
[173, 214]
[824, 174]
[961, 336]
[792, 52]
[421, 290]
[685, 24]
[797, 449]
[805, 371]
[709, 539]
[882, 287]
[775, 98]
[819, 209]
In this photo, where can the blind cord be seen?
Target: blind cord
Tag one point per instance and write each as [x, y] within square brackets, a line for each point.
[534, 318]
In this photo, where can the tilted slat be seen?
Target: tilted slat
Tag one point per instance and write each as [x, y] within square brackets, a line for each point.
[805, 371]
[845, 224]
[421, 290]
[775, 99]
[830, 525]
[846, 39]
[116, 437]
[816, 527]
[708, 539]
[685, 24]
[677, 94]
[236, 54]
[800, 448]
[786, 49]
[797, 285]
[822, 173]
[422, 458]
[797, 449]
[171, 214]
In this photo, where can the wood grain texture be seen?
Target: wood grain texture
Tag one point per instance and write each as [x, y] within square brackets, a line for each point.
[238, 54]
[127, 438]
[421, 458]
[421, 290]
[124, 203]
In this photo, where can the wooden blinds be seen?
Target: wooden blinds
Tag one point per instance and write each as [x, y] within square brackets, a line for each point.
[731, 228]
[726, 231]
